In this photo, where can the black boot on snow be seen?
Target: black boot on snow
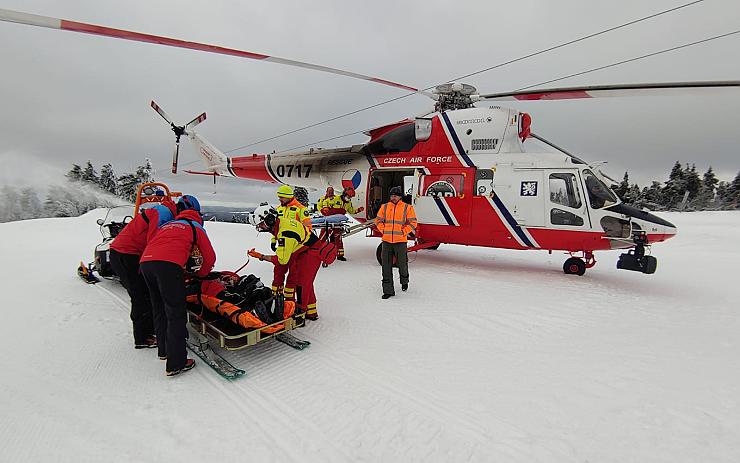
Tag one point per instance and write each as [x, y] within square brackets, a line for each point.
[149, 342]
[189, 364]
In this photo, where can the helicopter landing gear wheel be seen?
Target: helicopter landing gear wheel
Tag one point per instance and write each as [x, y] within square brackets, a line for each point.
[574, 266]
[379, 255]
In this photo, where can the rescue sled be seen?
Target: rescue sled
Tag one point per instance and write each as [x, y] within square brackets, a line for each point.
[234, 327]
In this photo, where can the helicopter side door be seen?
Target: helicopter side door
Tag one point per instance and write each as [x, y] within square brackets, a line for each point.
[526, 195]
[566, 203]
[439, 198]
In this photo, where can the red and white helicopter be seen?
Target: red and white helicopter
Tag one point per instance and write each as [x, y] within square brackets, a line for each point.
[468, 171]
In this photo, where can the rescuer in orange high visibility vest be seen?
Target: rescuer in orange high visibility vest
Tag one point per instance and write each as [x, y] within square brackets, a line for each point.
[397, 221]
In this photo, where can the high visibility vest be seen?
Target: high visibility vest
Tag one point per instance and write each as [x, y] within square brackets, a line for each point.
[291, 236]
[396, 221]
[324, 200]
[337, 205]
[296, 211]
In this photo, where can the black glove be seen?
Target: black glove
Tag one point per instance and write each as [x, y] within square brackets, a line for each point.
[273, 246]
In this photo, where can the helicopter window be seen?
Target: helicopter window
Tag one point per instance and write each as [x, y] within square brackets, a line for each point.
[561, 217]
[564, 190]
[399, 140]
[599, 195]
[614, 227]
[447, 185]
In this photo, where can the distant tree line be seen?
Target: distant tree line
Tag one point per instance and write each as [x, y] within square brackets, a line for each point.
[85, 190]
[685, 190]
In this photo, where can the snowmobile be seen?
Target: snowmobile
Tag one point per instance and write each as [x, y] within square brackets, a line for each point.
[147, 195]
[110, 226]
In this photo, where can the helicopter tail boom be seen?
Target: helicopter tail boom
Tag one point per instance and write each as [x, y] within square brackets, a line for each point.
[215, 161]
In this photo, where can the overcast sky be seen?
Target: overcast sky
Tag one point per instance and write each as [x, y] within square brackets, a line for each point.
[69, 97]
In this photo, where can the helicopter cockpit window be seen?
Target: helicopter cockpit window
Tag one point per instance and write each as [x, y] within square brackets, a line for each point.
[599, 195]
[399, 140]
[564, 190]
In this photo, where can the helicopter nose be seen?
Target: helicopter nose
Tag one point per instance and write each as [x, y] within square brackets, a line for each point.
[661, 230]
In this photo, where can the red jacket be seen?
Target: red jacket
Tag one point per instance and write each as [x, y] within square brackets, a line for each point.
[137, 233]
[174, 242]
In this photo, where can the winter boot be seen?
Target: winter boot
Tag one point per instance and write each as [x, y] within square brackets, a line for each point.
[189, 364]
[148, 343]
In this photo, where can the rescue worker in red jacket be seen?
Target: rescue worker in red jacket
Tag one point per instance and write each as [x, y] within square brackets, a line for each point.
[125, 252]
[341, 204]
[299, 253]
[163, 266]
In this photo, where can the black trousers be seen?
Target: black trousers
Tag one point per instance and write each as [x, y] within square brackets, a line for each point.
[387, 253]
[166, 282]
[126, 266]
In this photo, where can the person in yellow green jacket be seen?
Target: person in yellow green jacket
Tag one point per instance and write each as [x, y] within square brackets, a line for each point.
[341, 204]
[299, 254]
[327, 197]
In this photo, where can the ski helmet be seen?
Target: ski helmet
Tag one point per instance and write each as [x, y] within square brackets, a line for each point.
[188, 202]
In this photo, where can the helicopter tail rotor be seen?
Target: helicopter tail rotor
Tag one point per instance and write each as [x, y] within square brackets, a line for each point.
[179, 131]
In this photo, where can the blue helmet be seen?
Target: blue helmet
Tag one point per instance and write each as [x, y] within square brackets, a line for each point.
[187, 202]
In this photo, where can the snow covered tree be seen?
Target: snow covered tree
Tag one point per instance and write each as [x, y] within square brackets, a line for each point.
[674, 188]
[10, 208]
[108, 179]
[89, 175]
[74, 174]
[127, 185]
[60, 203]
[652, 196]
[30, 204]
[623, 187]
[145, 173]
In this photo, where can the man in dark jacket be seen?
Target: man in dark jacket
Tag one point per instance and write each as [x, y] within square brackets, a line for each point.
[125, 252]
[163, 266]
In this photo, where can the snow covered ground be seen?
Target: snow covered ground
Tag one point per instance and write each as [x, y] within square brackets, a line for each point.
[492, 355]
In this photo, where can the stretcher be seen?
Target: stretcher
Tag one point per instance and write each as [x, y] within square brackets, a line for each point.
[216, 323]
[342, 222]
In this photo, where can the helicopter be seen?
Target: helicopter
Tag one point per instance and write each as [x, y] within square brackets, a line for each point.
[467, 170]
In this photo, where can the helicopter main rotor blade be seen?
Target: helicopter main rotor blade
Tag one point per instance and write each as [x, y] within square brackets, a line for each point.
[73, 26]
[195, 121]
[606, 91]
[161, 112]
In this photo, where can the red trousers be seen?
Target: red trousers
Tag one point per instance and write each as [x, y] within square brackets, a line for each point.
[301, 269]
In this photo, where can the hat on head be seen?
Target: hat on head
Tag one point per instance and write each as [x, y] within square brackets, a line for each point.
[396, 191]
[188, 202]
[285, 191]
